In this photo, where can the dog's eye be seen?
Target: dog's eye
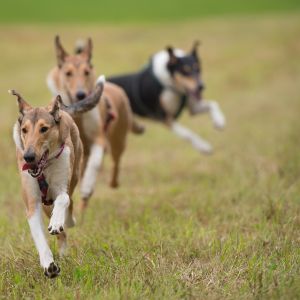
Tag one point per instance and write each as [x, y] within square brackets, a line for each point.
[44, 129]
[69, 74]
[86, 73]
[24, 130]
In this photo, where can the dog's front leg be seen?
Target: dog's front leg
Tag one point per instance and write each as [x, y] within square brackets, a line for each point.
[186, 134]
[93, 165]
[57, 220]
[210, 106]
[37, 231]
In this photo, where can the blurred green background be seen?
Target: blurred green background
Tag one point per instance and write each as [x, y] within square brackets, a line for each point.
[91, 11]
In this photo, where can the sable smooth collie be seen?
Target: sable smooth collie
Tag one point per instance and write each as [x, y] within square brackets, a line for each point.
[49, 155]
[103, 128]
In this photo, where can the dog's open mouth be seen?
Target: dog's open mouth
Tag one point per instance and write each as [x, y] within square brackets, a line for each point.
[195, 94]
[35, 170]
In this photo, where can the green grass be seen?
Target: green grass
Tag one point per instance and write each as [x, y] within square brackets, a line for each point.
[182, 225]
[96, 11]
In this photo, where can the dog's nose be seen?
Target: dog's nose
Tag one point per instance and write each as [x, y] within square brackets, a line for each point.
[80, 95]
[29, 157]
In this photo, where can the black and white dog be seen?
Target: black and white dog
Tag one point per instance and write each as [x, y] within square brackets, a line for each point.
[169, 83]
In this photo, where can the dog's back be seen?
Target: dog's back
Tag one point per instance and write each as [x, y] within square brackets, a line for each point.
[143, 90]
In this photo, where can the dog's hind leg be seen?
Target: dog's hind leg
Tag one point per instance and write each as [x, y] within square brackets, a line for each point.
[93, 166]
[196, 141]
[114, 183]
[62, 243]
[136, 127]
[117, 149]
[70, 221]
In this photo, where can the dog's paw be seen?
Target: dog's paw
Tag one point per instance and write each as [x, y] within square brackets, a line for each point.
[52, 271]
[114, 184]
[218, 120]
[55, 227]
[203, 146]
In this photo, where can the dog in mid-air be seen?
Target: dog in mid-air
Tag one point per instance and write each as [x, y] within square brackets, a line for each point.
[104, 127]
[169, 83]
[49, 156]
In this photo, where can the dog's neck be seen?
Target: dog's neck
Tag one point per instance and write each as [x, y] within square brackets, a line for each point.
[160, 69]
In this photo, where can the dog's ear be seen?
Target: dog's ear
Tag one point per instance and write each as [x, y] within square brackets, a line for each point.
[23, 105]
[55, 108]
[61, 53]
[172, 57]
[194, 50]
[88, 50]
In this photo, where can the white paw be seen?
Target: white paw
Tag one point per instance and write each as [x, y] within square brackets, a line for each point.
[203, 146]
[52, 270]
[219, 120]
[56, 224]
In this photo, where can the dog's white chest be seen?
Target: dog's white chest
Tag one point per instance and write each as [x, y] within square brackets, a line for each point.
[91, 122]
[58, 174]
[170, 101]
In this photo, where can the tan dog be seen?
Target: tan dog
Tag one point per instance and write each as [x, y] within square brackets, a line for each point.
[49, 155]
[104, 127]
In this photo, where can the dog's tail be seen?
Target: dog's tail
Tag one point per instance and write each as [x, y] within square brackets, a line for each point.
[79, 46]
[88, 102]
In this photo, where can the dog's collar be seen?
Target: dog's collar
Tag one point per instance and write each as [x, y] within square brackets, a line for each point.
[37, 172]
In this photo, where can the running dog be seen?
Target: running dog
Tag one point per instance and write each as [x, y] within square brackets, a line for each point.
[168, 84]
[49, 155]
[104, 127]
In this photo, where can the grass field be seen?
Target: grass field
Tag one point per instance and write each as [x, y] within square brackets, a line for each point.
[133, 11]
[182, 225]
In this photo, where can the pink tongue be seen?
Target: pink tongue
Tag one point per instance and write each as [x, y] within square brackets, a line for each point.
[27, 166]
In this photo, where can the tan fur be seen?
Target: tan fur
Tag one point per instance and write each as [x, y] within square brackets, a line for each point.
[185, 82]
[66, 132]
[60, 129]
[115, 138]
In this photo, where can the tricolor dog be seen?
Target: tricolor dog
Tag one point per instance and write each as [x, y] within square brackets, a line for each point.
[49, 156]
[169, 83]
[106, 126]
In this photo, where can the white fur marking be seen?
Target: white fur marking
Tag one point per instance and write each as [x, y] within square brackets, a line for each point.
[197, 142]
[160, 70]
[58, 173]
[17, 137]
[59, 212]
[91, 171]
[51, 85]
[38, 235]
[170, 101]
[91, 121]
[210, 106]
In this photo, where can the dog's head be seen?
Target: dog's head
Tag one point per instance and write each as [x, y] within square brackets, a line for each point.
[186, 72]
[76, 74]
[38, 129]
